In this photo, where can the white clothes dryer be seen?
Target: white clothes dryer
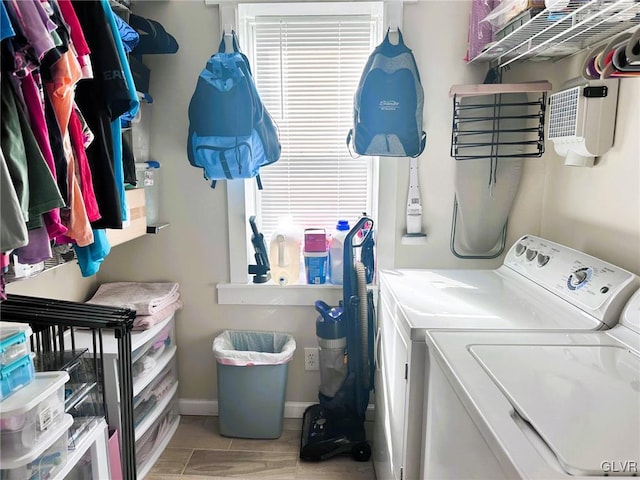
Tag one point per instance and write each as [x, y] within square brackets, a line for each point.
[541, 286]
[538, 405]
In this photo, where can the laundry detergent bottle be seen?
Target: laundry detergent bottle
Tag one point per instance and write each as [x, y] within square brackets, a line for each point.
[336, 252]
[284, 252]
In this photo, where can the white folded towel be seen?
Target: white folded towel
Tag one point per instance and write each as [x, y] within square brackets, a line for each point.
[144, 298]
[145, 322]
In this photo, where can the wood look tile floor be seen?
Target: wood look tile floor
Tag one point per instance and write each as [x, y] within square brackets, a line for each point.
[197, 451]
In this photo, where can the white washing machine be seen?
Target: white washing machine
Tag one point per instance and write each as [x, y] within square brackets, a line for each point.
[539, 405]
[540, 286]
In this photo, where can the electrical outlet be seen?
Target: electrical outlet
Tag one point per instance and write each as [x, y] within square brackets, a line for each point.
[311, 359]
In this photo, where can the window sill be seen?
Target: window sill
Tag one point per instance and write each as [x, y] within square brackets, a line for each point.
[271, 294]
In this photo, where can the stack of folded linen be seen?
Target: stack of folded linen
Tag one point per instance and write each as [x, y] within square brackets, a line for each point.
[152, 301]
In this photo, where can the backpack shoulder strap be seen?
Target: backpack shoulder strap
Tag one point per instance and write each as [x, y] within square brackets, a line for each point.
[349, 137]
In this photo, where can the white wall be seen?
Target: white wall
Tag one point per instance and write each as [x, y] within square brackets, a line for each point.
[437, 33]
[63, 282]
[597, 209]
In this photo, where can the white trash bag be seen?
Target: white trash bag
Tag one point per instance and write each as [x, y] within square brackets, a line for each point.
[247, 348]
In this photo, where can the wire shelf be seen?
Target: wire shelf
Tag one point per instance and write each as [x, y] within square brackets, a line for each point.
[504, 125]
[553, 35]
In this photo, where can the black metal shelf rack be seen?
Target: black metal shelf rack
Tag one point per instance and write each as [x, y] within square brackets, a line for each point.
[53, 323]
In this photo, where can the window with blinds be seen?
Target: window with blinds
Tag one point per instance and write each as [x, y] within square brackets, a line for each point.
[307, 70]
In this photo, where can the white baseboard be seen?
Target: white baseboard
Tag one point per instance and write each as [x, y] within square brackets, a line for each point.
[190, 406]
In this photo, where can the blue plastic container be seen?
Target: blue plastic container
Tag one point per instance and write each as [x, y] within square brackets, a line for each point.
[16, 375]
[13, 344]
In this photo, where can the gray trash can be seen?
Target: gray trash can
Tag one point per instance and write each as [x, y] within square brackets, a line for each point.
[252, 382]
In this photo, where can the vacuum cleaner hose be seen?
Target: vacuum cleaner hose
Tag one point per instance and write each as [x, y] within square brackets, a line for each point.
[361, 278]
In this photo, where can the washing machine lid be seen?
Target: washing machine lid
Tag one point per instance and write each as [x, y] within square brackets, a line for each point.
[582, 400]
[479, 299]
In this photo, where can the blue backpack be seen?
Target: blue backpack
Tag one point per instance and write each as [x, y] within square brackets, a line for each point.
[231, 134]
[387, 111]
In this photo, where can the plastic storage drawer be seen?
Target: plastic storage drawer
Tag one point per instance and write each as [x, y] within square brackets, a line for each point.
[145, 358]
[27, 415]
[16, 375]
[148, 443]
[147, 401]
[13, 344]
[46, 458]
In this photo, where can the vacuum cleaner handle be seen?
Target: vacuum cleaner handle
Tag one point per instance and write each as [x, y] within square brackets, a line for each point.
[349, 288]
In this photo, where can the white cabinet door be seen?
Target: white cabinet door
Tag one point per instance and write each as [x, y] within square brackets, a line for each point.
[381, 440]
[390, 409]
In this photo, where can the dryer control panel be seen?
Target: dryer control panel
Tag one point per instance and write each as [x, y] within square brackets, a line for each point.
[591, 284]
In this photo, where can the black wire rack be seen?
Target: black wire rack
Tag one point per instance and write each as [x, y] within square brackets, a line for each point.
[502, 125]
[53, 323]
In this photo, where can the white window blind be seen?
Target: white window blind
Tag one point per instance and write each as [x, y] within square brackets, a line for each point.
[307, 70]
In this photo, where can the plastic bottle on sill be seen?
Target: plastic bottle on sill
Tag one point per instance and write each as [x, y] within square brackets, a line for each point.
[336, 252]
[284, 252]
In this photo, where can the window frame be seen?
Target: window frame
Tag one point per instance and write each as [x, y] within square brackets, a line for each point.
[241, 194]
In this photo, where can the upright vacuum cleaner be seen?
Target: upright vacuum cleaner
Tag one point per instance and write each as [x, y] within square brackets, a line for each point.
[336, 425]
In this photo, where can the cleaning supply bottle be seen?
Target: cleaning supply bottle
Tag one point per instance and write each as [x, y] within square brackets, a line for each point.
[284, 252]
[336, 252]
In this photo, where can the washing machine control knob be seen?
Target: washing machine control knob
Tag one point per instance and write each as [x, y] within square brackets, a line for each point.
[543, 259]
[520, 249]
[531, 254]
[579, 278]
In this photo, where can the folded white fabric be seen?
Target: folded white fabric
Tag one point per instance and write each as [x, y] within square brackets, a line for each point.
[144, 298]
[145, 322]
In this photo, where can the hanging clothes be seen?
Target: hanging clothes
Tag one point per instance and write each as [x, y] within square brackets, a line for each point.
[82, 166]
[37, 250]
[13, 233]
[77, 37]
[64, 75]
[6, 29]
[32, 180]
[102, 100]
[35, 109]
[91, 257]
[66, 85]
[130, 113]
[128, 35]
[34, 23]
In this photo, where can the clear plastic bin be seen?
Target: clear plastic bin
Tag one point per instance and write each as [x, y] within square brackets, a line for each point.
[149, 442]
[46, 458]
[146, 401]
[16, 375]
[147, 176]
[27, 415]
[145, 358]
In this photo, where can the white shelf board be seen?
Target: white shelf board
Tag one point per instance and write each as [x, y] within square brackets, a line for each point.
[86, 440]
[84, 339]
[144, 469]
[147, 378]
[157, 411]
